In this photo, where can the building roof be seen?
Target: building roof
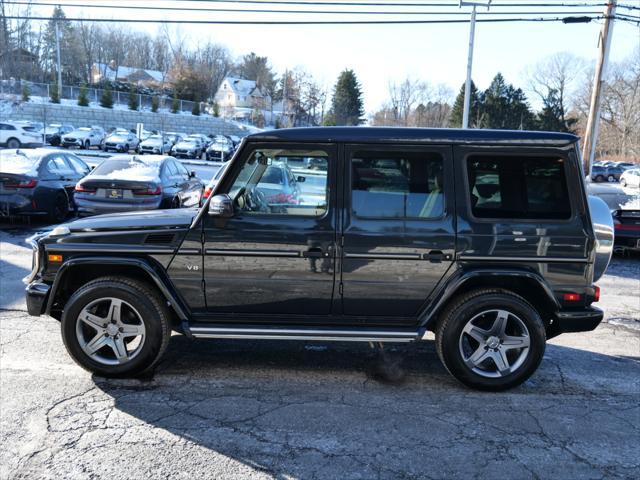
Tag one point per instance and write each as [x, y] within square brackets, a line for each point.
[414, 135]
[241, 86]
[126, 72]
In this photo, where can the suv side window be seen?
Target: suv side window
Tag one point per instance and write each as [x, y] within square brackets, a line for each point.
[266, 184]
[397, 184]
[518, 187]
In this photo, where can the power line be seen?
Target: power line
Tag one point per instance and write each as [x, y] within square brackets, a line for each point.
[629, 7]
[308, 12]
[396, 4]
[302, 22]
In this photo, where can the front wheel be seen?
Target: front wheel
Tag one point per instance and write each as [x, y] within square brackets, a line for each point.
[491, 340]
[115, 327]
[611, 179]
[13, 143]
[623, 182]
[87, 145]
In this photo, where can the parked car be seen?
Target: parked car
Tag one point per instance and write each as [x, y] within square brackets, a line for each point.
[84, 137]
[626, 222]
[630, 178]
[627, 165]
[156, 144]
[30, 126]
[213, 182]
[55, 131]
[278, 187]
[220, 150]
[609, 173]
[175, 137]
[206, 140]
[613, 173]
[434, 234]
[189, 147]
[18, 135]
[121, 140]
[39, 182]
[129, 182]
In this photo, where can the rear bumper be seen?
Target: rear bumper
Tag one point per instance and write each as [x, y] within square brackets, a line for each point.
[582, 320]
[17, 204]
[37, 295]
[97, 208]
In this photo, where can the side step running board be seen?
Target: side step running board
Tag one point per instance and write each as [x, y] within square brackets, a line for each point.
[355, 335]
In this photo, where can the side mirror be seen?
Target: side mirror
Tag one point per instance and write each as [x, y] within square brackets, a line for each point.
[301, 179]
[92, 167]
[221, 206]
[192, 174]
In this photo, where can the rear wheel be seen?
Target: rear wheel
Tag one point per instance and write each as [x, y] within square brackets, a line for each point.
[59, 209]
[87, 145]
[175, 202]
[623, 182]
[115, 327]
[599, 178]
[13, 143]
[491, 340]
[611, 179]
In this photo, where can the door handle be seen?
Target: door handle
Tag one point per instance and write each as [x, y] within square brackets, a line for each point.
[314, 252]
[436, 256]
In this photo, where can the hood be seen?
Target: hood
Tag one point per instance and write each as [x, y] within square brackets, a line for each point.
[77, 134]
[187, 145]
[179, 218]
[117, 138]
[154, 142]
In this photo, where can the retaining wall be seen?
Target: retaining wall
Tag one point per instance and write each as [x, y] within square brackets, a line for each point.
[110, 118]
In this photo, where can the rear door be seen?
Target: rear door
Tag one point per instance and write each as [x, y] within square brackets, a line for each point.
[398, 229]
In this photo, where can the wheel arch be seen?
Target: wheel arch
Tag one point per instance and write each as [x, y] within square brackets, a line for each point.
[76, 272]
[530, 286]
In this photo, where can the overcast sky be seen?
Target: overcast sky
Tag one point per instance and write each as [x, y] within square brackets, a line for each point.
[383, 53]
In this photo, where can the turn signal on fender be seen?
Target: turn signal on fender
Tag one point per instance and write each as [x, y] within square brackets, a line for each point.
[55, 258]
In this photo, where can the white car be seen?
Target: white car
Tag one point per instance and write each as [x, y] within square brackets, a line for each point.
[19, 134]
[156, 144]
[121, 140]
[630, 178]
[84, 137]
[190, 147]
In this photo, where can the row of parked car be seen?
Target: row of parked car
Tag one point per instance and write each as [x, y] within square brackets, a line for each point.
[20, 134]
[610, 171]
[52, 183]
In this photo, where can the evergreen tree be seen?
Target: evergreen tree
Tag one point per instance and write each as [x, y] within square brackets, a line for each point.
[83, 98]
[552, 117]
[196, 107]
[25, 93]
[475, 104]
[133, 99]
[347, 105]
[216, 109]
[155, 104]
[175, 104]
[54, 93]
[106, 100]
[506, 107]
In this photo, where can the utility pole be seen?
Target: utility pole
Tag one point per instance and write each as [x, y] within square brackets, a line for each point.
[284, 97]
[472, 35]
[593, 121]
[59, 68]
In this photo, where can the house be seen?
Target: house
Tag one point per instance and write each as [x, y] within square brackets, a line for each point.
[237, 97]
[111, 72]
[19, 63]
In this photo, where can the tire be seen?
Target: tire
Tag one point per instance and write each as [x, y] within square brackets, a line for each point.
[13, 143]
[140, 308]
[457, 349]
[599, 178]
[59, 208]
[611, 179]
[175, 203]
[87, 145]
[623, 182]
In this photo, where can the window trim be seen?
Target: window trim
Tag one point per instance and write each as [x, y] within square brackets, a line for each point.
[510, 153]
[395, 149]
[327, 148]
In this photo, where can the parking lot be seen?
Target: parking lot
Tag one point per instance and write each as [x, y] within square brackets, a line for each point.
[269, 409]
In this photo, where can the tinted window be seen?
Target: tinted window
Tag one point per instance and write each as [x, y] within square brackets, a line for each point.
[181, 169]
[78, 165]
[261, 187]
[397, 185]
[518, 187]
[58, 165]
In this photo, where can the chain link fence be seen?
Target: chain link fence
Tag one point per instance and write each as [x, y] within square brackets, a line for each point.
[71, 93]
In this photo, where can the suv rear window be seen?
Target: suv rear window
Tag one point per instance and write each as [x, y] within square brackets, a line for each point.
[518, 187]
[397, 185]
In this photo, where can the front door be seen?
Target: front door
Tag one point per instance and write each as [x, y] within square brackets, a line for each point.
[398, 229]
[277, 254]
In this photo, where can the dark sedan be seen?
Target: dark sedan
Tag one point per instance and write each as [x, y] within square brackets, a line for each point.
[39, 182]
[130, 182]
[54, 132]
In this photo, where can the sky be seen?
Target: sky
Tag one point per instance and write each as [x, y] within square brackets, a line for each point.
[379, 54]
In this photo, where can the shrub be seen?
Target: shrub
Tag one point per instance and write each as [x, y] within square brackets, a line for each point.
[83, 97]
[196, 108]
[25, 93]
[175, 104]
[154, 104]
[54, 93]
[106, 100]
[133, 99]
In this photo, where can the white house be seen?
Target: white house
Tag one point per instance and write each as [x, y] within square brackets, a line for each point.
[237, 97]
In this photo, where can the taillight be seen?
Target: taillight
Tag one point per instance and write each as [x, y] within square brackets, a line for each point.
[22, 184]
[83, 189]
[571, 297]
[207, 192]
[283, 198]
[149, 191]
[596, 294]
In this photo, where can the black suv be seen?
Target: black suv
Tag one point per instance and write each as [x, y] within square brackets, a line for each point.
[483, 237]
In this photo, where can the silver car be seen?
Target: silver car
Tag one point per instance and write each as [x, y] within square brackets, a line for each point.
[121, 140]
[129, 182]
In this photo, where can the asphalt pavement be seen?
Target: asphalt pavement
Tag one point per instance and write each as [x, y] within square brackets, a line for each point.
[264, 409]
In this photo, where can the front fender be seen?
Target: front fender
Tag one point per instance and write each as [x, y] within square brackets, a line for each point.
[157, 276]
[465, 280]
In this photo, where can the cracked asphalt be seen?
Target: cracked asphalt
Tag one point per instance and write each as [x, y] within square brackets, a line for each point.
[233, 409]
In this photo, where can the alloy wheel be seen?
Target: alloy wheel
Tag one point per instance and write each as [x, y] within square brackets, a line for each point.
[494, 343]
[110, 331]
